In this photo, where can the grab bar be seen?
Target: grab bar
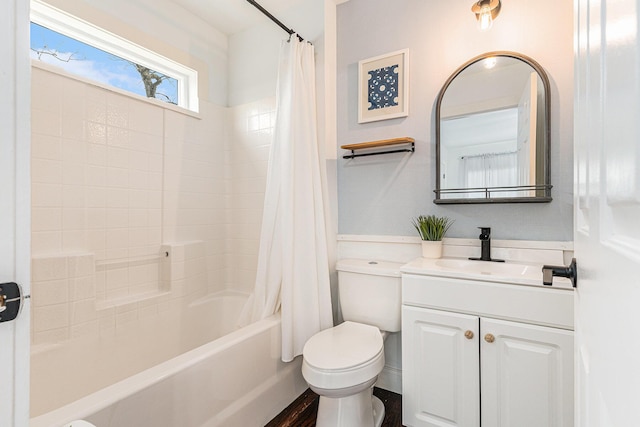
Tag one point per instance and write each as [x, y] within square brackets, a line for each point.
[104, 264]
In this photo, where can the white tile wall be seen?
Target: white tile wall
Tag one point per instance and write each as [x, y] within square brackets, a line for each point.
[62, 295]
[193, 196]
[114, 178]
[92, 171]
[246, 162]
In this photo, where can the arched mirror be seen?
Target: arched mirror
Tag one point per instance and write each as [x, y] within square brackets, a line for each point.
[492, 132]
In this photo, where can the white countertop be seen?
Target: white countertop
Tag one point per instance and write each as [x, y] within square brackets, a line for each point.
[487, 271]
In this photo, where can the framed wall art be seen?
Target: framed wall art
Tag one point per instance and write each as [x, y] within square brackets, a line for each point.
[383, 87]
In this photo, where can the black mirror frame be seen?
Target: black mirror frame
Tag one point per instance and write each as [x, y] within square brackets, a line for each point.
[546, 188]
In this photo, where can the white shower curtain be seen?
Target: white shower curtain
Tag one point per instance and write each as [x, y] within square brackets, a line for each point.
[293, 265]
[490, 170]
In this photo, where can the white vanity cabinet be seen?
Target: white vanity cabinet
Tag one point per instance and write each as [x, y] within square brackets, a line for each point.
[486, 354]
[440, 368]
[527, 374]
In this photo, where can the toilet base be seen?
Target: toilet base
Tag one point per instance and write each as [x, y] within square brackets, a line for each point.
[378, 411]
[358, 410]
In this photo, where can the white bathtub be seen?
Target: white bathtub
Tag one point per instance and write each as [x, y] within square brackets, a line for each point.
[235, 380]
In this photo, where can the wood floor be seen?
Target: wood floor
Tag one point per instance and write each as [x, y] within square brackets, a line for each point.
[302, 412]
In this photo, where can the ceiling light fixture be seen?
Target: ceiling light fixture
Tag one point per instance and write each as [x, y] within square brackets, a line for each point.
[486, 11]
[490, 62]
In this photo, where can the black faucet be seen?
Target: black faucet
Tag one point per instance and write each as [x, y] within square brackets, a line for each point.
[485, 246]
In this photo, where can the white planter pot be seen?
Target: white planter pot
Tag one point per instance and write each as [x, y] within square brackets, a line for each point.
[432, 249]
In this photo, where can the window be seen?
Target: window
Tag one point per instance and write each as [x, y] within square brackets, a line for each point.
[85, 50]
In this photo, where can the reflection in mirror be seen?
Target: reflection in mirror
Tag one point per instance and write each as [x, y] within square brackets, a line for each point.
[492, 135]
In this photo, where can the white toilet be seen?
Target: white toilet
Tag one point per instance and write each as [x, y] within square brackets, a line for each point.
[341, 364]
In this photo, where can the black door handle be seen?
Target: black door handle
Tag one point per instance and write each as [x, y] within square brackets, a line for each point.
[570, 272]
[10, 301]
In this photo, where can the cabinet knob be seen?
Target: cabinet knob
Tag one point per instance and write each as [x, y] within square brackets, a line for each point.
[469, 335]
[489, 338]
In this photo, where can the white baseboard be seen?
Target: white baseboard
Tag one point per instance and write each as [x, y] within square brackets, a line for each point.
[390, 379]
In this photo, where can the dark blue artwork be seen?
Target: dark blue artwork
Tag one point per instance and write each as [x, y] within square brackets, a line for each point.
[383, 87]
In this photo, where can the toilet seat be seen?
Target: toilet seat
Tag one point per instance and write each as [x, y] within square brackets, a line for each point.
[343, 356]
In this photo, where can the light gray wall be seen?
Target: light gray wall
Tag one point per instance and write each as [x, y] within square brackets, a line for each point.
[379, 195]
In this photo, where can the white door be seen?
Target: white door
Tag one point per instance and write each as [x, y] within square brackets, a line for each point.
[607, 212]
[526, 143]
[440, 363]
[15, 206]
[527, 375]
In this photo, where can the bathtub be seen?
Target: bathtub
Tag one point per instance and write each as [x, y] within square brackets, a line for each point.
[235, 380]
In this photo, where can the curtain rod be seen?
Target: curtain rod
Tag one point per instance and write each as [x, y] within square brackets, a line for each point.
[274, 19]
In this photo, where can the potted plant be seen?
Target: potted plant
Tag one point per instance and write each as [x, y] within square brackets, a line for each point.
[432, 230]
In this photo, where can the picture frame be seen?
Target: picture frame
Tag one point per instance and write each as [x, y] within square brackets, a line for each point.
[383, 87]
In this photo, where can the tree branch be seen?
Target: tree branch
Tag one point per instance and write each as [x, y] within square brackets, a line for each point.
[53, 53]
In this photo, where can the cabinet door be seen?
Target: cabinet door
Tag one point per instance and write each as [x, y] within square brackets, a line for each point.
[440, 382]
[527, 375]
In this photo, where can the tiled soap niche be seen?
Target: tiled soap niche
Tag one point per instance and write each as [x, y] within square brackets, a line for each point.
[76, 295]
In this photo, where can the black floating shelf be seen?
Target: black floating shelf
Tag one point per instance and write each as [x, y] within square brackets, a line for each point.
[379, 144]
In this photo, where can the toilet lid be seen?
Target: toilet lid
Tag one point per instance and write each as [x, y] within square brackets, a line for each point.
[345, 346]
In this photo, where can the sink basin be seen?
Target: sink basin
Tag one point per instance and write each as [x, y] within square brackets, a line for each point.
[485, 267]
[503, 272]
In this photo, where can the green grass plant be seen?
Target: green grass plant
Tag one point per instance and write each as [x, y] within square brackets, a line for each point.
[431, 227]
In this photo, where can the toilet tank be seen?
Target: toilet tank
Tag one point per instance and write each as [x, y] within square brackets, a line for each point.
[370, 292]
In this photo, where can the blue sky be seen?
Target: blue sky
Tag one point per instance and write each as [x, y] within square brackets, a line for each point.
[92, 63]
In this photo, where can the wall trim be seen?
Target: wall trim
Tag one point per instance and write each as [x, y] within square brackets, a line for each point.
[63, 73]
[390, 379]
[454, 241]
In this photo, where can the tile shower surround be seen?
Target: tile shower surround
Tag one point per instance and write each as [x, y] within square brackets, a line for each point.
[116, 181]
[67, 304]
